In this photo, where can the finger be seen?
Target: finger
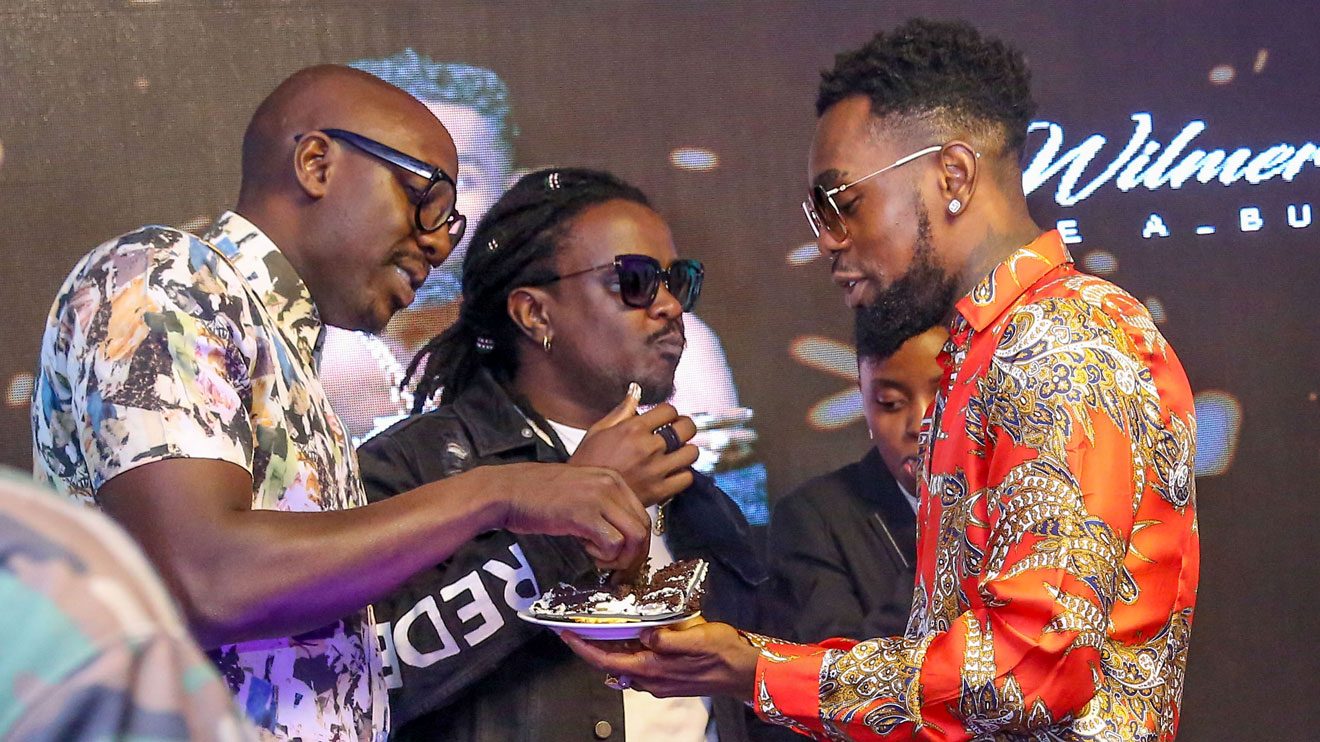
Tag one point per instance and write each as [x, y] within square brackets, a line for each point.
[697, 639]
[632, 557]
[675, 483]
[608, 497]
[627, 575]
[685, 428]
[672, 463]
[624, 507]
[670, 477]
[635, 536]
[653, 418]
[611, 662]
[625, 410]
[603, 543]
[623, 510]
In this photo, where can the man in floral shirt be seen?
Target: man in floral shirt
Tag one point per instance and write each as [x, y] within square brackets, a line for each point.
[178, 391]
[1057, 548]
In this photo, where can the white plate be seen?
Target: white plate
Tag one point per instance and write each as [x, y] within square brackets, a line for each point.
[604, 632]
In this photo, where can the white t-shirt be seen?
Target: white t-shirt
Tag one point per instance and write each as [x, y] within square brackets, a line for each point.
[645, 717]
[911, 498]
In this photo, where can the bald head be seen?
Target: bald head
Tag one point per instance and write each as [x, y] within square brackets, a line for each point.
[344, 217]
[331, 96]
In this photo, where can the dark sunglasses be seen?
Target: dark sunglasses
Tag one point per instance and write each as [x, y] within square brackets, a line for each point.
[640, 277]
[435, 206]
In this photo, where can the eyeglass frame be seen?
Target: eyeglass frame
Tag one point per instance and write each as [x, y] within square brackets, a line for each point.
[433, 174]
[662, 273]
[827, 195]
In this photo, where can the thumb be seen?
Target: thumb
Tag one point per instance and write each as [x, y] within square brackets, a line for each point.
[623, 411]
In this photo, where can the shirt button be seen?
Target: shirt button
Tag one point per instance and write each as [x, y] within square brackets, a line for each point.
[527, 432]
[603, 729]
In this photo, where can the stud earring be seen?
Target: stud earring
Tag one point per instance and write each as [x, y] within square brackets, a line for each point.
[955, 206]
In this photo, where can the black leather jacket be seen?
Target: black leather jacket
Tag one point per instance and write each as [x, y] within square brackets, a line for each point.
[842, 549]
[460, 664]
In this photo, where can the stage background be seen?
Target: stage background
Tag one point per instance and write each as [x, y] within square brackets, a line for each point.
[116, 114]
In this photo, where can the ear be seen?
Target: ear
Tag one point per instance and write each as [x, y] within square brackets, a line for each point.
[529, 308]
[312, 162]
[960, 169]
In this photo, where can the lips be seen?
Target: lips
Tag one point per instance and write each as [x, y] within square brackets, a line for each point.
[910, 464]
[853, 285]
[409, 280]
[670, 343]
[414, 276]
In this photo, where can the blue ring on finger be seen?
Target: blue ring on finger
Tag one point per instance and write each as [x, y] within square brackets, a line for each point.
[672, 441]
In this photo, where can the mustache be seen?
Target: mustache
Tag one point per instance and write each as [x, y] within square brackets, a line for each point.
[675, 327]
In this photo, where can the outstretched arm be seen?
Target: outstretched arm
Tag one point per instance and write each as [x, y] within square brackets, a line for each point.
[241, 573]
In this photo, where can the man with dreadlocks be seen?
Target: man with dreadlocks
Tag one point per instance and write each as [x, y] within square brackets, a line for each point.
[1057, 552]
[573, 300]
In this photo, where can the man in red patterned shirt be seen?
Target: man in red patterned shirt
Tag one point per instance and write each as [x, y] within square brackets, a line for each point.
[1058, 549]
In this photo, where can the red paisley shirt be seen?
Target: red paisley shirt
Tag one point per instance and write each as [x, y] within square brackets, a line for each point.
[1058, 550]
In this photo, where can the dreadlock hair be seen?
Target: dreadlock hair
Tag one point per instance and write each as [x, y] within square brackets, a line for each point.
[514, 246]
[940, 73]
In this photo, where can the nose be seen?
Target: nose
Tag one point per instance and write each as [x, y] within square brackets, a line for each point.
[665, 306]
[436, 246]
[916, 415]
[830, 246]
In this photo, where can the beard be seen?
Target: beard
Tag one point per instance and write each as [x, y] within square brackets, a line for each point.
[914, 303]
[608, 386]
[658, 386]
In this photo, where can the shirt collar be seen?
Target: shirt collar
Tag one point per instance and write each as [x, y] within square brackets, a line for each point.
[497, 425]
[272, 276]
[1010, 279]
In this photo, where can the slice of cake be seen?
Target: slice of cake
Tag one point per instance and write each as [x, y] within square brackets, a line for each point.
[674, 590]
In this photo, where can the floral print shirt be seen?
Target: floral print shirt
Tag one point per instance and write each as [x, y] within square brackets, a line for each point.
[1058, 551]
[164, 345]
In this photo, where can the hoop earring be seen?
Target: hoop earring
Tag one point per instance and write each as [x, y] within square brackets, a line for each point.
[955, 206]
[545, 342]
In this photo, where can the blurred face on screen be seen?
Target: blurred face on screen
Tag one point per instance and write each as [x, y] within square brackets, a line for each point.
[598, 340]
[896, 392]
[889, 267]
[483, 173]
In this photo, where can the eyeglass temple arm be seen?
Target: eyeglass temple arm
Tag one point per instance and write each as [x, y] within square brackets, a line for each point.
[389, 154]
[897, 163]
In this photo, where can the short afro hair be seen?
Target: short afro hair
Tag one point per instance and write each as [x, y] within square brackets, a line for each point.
[449, 82]
[941, 72]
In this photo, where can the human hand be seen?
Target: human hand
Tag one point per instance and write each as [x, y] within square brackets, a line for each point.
[697, 659]
[591, 503]
[627, 443]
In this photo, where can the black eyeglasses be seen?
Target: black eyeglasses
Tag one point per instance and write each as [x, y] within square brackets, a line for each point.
[640, 277]
[823, 213]
[436, 203]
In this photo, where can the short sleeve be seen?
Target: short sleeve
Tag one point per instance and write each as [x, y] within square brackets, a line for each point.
[160, 368]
